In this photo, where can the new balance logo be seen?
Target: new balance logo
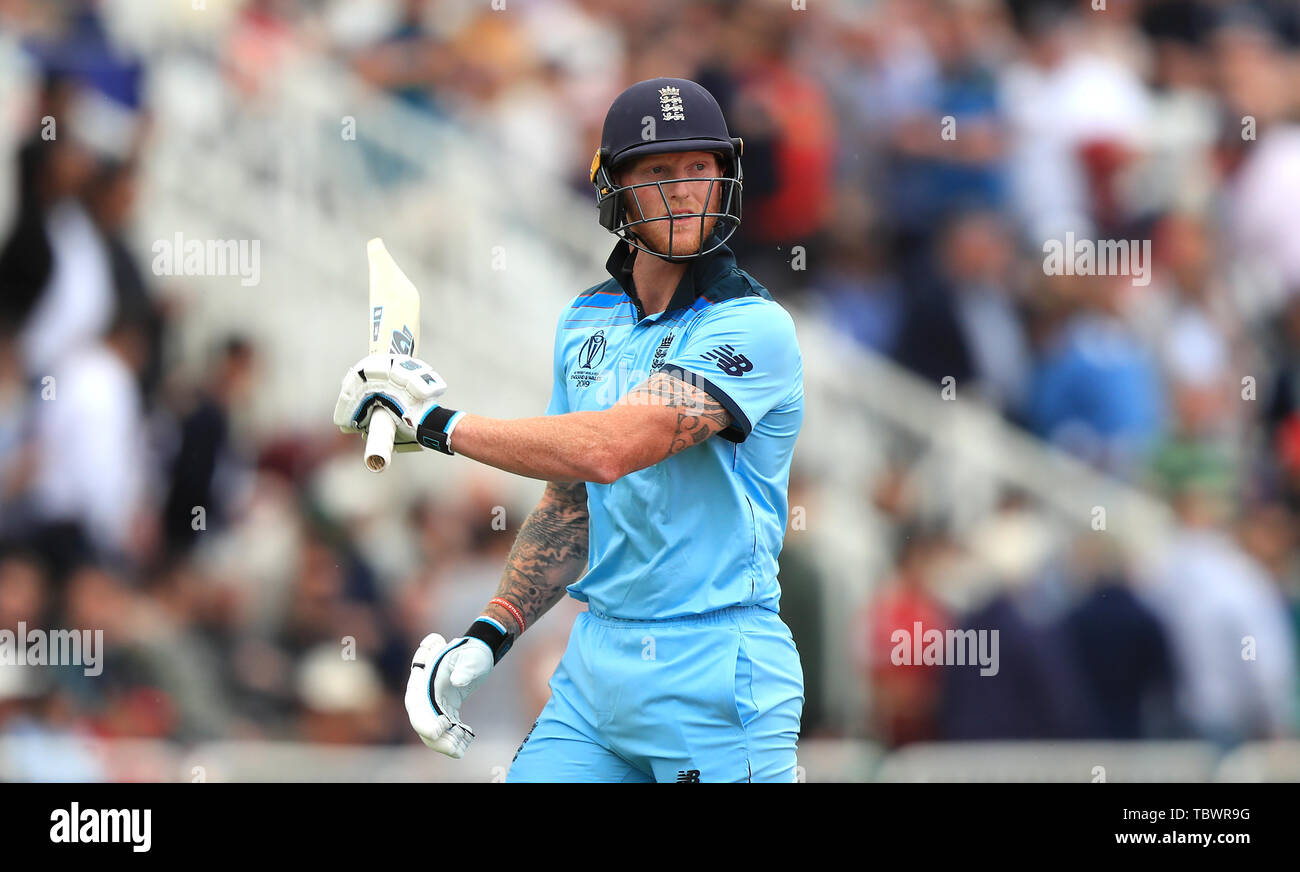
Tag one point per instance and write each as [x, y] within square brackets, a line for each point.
[688, 776]
[729, 361]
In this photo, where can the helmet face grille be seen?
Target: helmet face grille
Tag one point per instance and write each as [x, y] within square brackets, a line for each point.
[615, 218]
[664, 116]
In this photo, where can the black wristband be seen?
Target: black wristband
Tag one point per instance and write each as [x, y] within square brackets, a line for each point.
[486, 631]
[432, 432]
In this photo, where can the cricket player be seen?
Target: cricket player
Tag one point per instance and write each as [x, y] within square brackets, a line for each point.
[666, 448]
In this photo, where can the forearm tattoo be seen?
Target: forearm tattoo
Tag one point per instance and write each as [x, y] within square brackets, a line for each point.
[699, 416]
[549, 554]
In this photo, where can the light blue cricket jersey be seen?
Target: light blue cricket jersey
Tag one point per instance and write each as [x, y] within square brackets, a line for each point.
[702, 529]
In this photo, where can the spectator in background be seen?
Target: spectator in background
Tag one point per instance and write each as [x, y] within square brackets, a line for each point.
[110, 198]
[1283, 403]
[44, 738]
[588, 46]
[410, 62]
[94, 473]
[1281, 413]
[1195, 452]
[25, 593]
[1198, 338]
[81, 46]
[940, 165]
[76, 301]
[47, 172]
[334, 595]
[1061, 99]
[205, 470]
[964, 323]
[1187, 313]
[341, 702]
[904, 698]
[1269, 533]
[932, 341]
[1229, 627]
[857, 289]
[1038, 691]
[775, 95]
[17, 451]
[259, 44]
[1120, 649]
[1096, 391]
[1255, 81]
[1178, 168]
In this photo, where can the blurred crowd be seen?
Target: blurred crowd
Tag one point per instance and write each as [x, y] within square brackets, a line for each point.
[1173, 124]
[905, 161]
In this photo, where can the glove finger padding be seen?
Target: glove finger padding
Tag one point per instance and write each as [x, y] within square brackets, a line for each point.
[462, 670]
[454, 741]
[419, 707]
[376, 367]
[442, 675]
[417, 377]
[351, 391]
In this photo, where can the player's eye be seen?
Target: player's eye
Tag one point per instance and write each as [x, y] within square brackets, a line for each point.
[699, 167]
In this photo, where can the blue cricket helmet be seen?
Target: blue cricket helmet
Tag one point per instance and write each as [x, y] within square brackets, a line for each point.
[661, 116]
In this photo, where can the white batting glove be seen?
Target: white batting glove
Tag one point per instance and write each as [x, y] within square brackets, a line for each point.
[404, 385]
[443, 674]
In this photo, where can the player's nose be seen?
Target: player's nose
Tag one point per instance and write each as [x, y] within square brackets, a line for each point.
[680, 189]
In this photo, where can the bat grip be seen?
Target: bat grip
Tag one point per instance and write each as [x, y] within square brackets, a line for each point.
[379, 440]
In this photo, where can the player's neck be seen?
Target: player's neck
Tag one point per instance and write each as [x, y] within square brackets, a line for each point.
[656, 279]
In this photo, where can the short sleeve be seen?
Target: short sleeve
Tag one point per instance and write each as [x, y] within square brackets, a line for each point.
[559, 404]
[745, 355]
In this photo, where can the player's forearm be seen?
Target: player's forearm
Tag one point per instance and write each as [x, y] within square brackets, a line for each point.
[549, 554]
[578, 447]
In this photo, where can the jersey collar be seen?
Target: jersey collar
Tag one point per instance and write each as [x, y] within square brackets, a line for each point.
[700, 274]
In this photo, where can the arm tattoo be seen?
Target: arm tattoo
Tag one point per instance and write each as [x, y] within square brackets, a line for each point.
[549, 554]
[551, 550]
[699, 416]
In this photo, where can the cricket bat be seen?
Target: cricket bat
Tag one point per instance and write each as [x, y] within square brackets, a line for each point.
[394, 329]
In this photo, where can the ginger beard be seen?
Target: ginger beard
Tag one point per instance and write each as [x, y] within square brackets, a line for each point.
[686, 180]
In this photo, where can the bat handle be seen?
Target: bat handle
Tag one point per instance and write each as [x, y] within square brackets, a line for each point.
[379, 440]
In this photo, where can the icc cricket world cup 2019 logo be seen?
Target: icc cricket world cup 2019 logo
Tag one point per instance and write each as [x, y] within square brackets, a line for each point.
[590, 356]
[592, 352]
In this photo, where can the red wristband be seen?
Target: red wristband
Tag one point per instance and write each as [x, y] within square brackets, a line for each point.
[512, 609]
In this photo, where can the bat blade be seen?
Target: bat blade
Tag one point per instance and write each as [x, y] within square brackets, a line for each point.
[394, 304]
[394, 329]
